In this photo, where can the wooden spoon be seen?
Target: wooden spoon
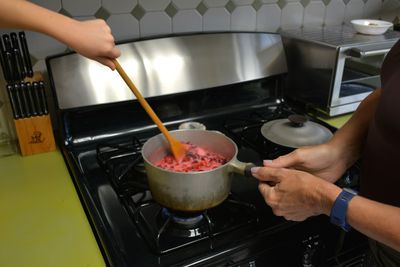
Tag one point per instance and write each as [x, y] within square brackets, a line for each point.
[177, 149]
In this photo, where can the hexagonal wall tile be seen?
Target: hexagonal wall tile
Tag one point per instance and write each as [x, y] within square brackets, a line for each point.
[81, 8]
[124, 26]
[187, 21]
[372, 8]
[216, 19]
[292, 15]
[334, 13]
[314, 14]
[390, 9]
[155, 23]
[186, 4]
[354, 10]
[154, 5]
[243, 18]
[41, 46]
[268, 1]
[54, 5]
[269, 18]
[215, 3]
[242, 2]
[119, 6]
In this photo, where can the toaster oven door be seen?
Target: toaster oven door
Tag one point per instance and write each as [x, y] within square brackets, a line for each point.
[357, 74]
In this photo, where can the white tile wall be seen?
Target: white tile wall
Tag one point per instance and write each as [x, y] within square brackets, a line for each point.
[154, 5]
[372, 8]
[242, 2]
[292, 15]
[187, 21]
[155, 23]
[186, 4]
[215, 3]
[40, 45]
[334, 13]
[54, 5]
[124, 26]
[216, 19]
[314, 14]
[119, 6]
[354, 10]
[81, 8]
[243, 18]
[269, 18]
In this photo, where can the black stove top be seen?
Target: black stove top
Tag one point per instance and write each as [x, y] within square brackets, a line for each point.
[134, 230]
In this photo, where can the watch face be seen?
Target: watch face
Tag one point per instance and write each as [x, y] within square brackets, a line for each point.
[351, 191]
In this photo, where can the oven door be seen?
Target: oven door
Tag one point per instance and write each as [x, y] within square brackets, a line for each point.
[357, 74]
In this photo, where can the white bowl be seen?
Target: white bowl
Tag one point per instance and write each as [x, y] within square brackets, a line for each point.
[371, 26]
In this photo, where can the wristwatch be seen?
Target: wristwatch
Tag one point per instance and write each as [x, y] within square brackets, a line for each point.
[339, 208]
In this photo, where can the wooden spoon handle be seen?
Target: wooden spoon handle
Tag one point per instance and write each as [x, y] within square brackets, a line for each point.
[143, 101]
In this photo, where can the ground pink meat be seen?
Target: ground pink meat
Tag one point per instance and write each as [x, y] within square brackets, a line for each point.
[196, 159]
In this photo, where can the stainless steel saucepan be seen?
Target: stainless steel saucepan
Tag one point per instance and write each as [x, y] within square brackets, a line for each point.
[193, 191]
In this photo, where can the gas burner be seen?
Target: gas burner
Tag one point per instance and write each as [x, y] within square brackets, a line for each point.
[167, 231]
[186, 220]
[124, 165]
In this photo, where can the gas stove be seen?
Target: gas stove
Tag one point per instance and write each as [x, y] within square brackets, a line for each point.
[102, 148]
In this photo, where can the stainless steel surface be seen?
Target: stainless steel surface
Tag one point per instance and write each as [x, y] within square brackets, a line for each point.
[285, 133]
[356, 52]
[335, 36]
[194, 191]
[322, 60]
[168, 66]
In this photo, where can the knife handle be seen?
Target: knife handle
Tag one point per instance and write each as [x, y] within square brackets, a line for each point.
[9, 66]
[37, 97]
[7, 42]
[14, 40]
[18, 98]
[25, 100]
[13, 102]
[32, 99]
[16, 65]
[43, 97]
[2, 62]
[25, 54]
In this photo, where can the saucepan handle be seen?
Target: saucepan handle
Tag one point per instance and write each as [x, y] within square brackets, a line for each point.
[241, 167]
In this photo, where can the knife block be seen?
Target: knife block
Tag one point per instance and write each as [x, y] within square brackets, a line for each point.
[35, 134]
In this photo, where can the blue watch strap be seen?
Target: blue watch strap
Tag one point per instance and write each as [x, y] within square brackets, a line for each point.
[339, 208]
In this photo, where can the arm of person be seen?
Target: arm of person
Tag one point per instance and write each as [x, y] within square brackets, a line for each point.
[376, 220]
[349, 140]
[328, 161]
[298, 195]
[92, 39]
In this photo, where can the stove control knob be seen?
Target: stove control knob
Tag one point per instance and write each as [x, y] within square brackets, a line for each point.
[307, 257]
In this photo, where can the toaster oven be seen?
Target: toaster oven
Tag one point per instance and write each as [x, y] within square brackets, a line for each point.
[332, 69]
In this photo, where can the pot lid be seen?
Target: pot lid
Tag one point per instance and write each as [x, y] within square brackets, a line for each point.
[295, 131]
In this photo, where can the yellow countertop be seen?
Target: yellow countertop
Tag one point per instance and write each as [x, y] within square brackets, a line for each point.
[338, 121]
[42, 222]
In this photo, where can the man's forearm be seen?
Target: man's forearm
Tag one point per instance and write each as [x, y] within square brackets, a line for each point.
[351, 137]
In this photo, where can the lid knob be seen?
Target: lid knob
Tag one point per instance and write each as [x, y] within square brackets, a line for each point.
[297, 120]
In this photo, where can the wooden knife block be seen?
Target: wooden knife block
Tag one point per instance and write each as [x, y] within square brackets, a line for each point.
[35, 134]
